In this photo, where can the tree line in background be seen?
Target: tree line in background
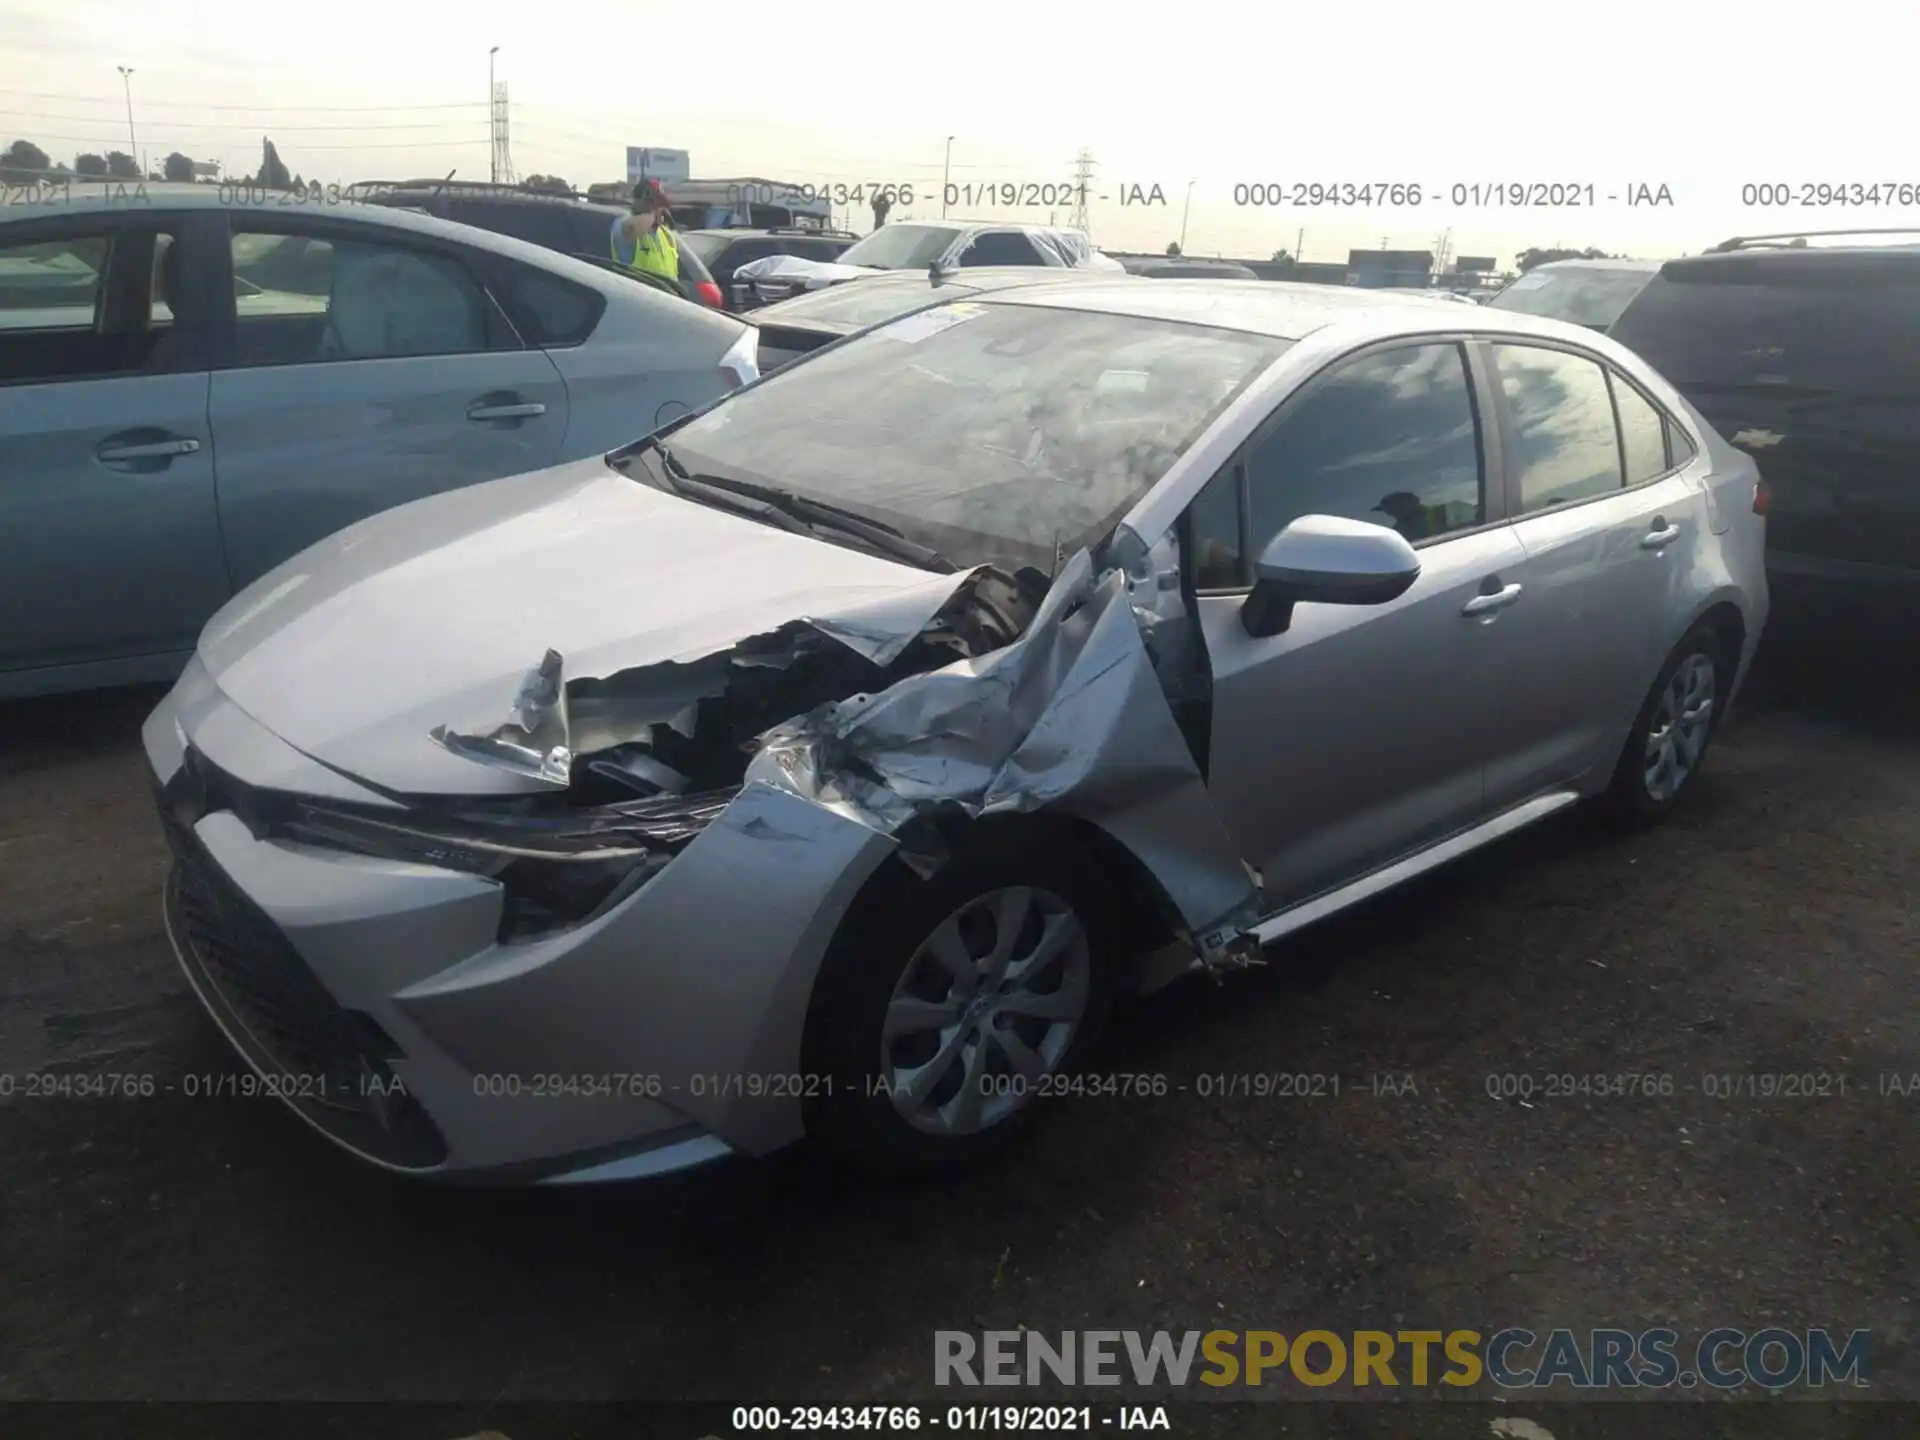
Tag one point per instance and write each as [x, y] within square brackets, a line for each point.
[22, 162]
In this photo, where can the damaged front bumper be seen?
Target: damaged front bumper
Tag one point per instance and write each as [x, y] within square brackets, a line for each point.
[664, 1025]
[374, 996]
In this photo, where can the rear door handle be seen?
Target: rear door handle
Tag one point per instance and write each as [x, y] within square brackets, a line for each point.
[113, 454]
[1661, 534]
[521, 411]
[1487, 604]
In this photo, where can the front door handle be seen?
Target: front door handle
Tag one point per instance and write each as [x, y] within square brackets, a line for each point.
[516, 411]
[149, 450]
[1487, 604]
[1661, 534]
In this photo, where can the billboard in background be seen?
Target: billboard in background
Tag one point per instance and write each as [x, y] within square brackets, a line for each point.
[1476, 264]
[652, 163]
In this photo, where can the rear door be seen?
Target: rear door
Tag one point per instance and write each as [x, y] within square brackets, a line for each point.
[1362, 732]
[112, 553]
[1609, 522]
[377, 371]
[1811, 363]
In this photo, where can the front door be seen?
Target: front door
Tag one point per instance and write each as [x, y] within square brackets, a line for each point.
[1360, 733]
[367, 370]
[112, 561]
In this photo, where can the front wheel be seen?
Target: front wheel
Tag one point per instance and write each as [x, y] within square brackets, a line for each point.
[1671, 733]
[961, 1005]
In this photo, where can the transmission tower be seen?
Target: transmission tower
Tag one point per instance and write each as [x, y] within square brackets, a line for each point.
[502, 160]
[1082, 188]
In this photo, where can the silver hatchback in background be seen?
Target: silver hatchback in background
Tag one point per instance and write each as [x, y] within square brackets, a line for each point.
[197, 381]
[823, 765]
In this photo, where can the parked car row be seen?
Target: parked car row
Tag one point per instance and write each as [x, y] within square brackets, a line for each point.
[1017, 636]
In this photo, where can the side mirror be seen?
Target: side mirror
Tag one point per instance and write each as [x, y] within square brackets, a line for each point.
[1327, 560]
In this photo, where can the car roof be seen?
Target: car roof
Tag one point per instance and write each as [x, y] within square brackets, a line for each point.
[1649, 266]
[776, 232]
[961, 284]
[117, 198]
[1283, 309]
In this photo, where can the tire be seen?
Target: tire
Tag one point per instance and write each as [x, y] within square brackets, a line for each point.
[879, 1100]
[1670, 735]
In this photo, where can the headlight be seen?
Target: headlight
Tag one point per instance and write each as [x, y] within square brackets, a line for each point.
[558, 867]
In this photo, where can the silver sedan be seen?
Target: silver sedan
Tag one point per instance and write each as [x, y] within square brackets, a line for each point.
[824, 765]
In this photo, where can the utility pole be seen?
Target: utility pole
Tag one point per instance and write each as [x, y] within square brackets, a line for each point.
[946, 173]
[1299, 244]
[126, 82]
[493, 134]
[1082, 183]
[1185, 210]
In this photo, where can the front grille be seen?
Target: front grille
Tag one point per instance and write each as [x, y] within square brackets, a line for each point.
[333, 1060]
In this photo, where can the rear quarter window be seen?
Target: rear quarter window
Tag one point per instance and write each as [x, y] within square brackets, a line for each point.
[550, 312]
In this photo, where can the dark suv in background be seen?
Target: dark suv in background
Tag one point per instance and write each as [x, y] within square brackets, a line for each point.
[1808, 358]
[724, 251]
[559, 222]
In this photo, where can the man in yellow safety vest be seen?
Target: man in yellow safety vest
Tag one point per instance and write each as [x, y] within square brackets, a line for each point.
[644, 240]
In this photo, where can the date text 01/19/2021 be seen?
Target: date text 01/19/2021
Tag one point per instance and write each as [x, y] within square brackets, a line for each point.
[810, 1419]
[1474, 195]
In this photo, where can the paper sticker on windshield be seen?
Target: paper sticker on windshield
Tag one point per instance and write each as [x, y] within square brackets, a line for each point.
[930, 322]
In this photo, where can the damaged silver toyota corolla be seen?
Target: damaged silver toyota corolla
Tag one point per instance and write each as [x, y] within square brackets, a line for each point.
[826, 762]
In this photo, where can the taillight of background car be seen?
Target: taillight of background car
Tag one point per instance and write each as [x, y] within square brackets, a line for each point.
[710, 295]
[1762, 496]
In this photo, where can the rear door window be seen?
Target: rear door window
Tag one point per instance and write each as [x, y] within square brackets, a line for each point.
[1565, 445]
[301, 299]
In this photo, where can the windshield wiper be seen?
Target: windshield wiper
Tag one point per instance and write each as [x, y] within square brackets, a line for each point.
[808, 513]
[676, 479]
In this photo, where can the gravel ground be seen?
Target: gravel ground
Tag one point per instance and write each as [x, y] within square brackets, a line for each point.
[192, 1249]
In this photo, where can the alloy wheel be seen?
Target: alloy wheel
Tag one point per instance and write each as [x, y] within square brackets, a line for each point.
[1677, 734]
[985, 1010]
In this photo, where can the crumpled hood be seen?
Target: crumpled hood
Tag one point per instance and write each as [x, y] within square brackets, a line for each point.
[433, 613]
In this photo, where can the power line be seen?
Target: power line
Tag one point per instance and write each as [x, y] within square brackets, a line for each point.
[307, 145]
[285, 109]
[275, 126]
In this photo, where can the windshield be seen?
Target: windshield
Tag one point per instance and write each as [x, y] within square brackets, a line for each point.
[859, 305]
[1586, 296]
[901, 247]
[993, 433]
[707, 247]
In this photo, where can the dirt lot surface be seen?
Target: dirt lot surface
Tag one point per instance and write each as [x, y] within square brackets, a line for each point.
[197, 1249]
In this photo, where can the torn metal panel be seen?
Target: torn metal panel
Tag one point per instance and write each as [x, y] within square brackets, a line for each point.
[536, 740]
[1070, 716]
[697, 700]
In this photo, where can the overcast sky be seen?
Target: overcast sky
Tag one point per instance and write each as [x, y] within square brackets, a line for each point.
[1699, 96]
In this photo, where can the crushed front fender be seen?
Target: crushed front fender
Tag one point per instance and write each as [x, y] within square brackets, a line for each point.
[1071, 717]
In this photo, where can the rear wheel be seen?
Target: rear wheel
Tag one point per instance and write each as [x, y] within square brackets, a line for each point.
[961, 1003]
[1670, 735]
